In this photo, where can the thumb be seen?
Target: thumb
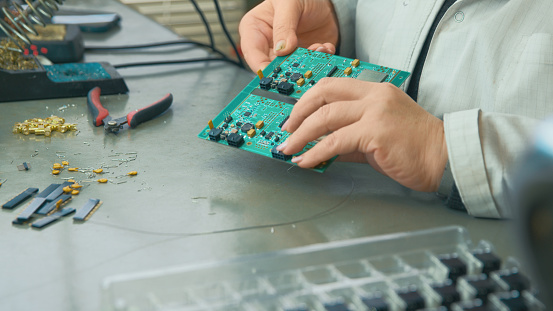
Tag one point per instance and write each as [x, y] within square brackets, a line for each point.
[285, 25]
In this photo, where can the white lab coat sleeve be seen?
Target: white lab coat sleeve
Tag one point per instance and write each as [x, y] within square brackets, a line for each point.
[483, 149]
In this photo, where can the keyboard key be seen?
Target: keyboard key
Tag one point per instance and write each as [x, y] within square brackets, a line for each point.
[448, 293]
[490, 262]
[376, 304]
[413, 300]
[455, 266]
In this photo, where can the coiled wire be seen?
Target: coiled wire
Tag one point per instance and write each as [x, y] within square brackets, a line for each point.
[19, 21]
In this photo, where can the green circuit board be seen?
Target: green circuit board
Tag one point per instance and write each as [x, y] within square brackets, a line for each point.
[252, 120]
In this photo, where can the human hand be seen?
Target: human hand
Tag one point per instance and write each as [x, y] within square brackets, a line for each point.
[368, 122]
[276, 28]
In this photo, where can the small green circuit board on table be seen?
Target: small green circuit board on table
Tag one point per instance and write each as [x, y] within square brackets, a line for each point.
[252, 120]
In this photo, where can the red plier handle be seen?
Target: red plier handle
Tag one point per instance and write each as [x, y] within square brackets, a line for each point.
[134, 118]
[99, 113]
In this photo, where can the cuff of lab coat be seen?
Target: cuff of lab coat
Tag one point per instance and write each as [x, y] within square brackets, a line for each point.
[467, 162]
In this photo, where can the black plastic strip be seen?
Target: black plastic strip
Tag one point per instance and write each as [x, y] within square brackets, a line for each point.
[89, 207]
[20, 198]
[275, 96]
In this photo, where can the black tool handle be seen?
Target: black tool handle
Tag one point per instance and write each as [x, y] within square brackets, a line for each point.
[142, 115]
[99, 113]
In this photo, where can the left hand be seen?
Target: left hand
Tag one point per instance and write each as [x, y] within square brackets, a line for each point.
[369, 122]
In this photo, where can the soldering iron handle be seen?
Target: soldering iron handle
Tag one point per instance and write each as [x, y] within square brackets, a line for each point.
[99, 113]
[142, 115]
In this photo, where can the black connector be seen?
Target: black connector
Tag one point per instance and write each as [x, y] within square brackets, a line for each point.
[279, 155]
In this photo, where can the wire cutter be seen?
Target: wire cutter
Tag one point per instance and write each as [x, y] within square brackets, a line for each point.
[133, 118]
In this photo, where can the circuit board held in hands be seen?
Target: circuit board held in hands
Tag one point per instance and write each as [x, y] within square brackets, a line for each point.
[253, 119]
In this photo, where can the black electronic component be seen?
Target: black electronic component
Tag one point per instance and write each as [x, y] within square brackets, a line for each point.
[87, 210]
[20, 198]
[239, 124]
[376, 304]
[312, 82]
[228, 119]
[277, 139]
[57, 192]
[247, 114]
[53, 205]
[295, 77]
[262, 133]
[225, 125]
[265, 83]
[490, 262]
[24, 166]
[476, 307]
[285, 88]
[455, 266]
[295, 64]
[28, 212]
[332, 71]
[275, 96]
[283, 121]
[288, 73]
[515, 281]
[279, 155]
[235, 140]
[483, 287]
[277, 70]
[515, 303]
[215, 134]
[46, 192]
[336, 306]
[448, 293]
[52, 218]
[269, 135]
[246, 127]
[413, 300]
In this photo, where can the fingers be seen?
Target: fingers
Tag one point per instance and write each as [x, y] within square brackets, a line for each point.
[256, 38]
[327, 90]
[285, 25]
[343, 141]
[326, 119]
[323, 47]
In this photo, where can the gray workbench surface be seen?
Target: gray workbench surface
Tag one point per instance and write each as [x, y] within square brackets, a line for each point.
[192, 200]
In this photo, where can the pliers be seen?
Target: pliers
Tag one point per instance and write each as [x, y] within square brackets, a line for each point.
[133, 118]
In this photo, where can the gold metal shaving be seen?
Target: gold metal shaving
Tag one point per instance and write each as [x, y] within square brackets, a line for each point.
[44, 127]
[12, 60]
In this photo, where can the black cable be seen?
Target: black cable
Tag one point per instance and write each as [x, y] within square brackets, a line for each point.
[206, 23]
[151, 45]
[171, 62]
[227, 34]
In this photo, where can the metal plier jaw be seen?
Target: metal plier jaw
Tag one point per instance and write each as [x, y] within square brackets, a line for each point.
[133, 118]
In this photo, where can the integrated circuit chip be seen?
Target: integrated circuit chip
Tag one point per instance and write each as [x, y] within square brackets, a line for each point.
[372, 76]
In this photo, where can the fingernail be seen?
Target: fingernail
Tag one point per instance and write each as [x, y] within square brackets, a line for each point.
[284, 126]
[320, 49]
[282, 146]
[280, 45]
[297, 159]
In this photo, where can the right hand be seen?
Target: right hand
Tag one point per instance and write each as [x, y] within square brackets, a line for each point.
[277, 27]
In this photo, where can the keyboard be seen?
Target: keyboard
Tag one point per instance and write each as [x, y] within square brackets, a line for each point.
[437, 269]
